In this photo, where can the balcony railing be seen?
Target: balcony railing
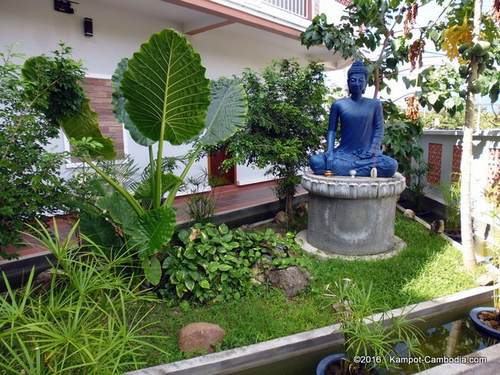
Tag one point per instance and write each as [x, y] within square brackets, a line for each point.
[298, 7]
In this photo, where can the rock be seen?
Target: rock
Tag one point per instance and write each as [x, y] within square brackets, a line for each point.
[301, 209]
[281, 218]
[200, 336]
[485, 279]
[291, 280]
[44, 279]
[410, 214]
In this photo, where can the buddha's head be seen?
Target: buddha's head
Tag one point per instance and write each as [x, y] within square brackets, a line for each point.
[357, 78]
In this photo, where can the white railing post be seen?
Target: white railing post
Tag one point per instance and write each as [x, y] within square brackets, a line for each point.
[298, 7]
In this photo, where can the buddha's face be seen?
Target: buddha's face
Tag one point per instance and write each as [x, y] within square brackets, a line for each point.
[357, 83]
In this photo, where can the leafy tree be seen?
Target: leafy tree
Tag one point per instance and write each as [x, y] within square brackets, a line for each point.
[286, 119]
[29, 174]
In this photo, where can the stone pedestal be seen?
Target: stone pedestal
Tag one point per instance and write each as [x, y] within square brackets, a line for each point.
[352, 216]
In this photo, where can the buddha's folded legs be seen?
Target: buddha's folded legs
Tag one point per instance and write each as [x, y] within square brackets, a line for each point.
[344, 163]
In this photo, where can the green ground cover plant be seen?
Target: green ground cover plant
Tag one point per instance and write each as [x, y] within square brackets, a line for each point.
[428, 268]
[214, 263]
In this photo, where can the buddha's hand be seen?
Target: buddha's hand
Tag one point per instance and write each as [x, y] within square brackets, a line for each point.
[329, 160]
[366, 154]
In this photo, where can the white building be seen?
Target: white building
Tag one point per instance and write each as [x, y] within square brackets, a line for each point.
[230, 35]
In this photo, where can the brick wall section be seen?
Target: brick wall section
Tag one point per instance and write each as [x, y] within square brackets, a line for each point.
[435, 154]
[455, 164]
[99, 93]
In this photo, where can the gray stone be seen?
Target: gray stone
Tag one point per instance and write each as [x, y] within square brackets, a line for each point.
[291, 280]
[281, 218]
[352, 216]
[410, 214]
[485, 279]
[200, 336]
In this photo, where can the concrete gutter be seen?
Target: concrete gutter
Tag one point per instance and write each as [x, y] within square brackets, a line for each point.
[283, 348]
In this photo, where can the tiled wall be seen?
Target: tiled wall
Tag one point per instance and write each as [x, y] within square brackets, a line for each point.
[435, 156]
[455, 164]
[99, 93]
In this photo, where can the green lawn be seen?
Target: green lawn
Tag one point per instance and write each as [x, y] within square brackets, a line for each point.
[428, 267]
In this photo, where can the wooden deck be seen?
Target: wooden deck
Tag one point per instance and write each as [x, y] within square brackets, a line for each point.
[231, 198]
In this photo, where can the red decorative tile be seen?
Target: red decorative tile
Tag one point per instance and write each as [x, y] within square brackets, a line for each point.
[435, 156]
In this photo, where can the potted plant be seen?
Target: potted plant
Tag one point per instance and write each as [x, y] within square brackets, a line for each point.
[369, 340]
[487, 319]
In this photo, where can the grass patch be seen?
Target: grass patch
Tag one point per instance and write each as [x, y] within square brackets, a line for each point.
[427, 268]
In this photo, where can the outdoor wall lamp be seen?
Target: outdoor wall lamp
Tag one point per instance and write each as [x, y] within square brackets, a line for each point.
[88, 27]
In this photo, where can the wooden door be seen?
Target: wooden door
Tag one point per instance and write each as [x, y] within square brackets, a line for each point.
[216, 175]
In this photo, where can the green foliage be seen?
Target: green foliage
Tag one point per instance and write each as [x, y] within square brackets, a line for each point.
[29, 175]
[118, 101]
[286, 119]
[165, 89]
[53, 83]
[441, 87]
[53, 88]
[215, 263]
[365, 335]
[164, 100]
[432, 120]
[80, 321]
[451, 195]
[200, 205]
[369, 28]
[399, 138]
[365, 26]
[228, 106]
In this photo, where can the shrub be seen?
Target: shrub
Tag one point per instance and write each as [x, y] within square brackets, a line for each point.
[200, 205]
[29, 174]
[286, 120]
[215, 263]
[80, 323]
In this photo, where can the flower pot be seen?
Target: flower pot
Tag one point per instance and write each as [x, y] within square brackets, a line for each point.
[327, 361]
[480, 325]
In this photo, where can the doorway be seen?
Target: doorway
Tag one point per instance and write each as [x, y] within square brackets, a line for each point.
[216, 175]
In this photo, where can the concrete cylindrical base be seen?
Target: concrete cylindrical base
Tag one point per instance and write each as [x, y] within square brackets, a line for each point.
[352, 216]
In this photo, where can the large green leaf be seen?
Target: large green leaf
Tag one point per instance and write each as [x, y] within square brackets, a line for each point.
[144, 190]
[120, 211]
[86, 124]
[226, 113]
[118, 101]
[152, 270]
[165, 89]
[154, 231]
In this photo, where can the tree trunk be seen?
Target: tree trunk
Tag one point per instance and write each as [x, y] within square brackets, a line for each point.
[289, 208]
[465, 188]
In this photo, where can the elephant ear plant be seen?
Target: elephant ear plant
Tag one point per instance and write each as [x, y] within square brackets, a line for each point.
[162, 94]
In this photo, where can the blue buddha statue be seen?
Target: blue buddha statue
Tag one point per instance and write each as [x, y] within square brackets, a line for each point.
[361, 133]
